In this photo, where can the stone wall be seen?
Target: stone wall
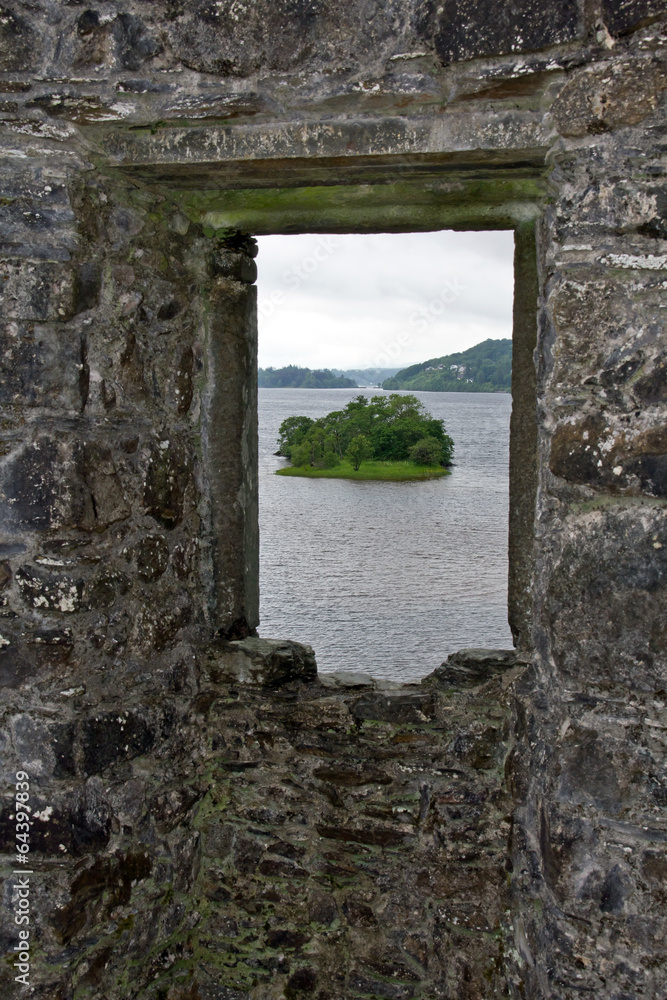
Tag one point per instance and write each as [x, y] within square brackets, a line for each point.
[194, 837]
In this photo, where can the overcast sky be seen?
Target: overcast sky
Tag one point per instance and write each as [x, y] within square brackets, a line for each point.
[387, 300]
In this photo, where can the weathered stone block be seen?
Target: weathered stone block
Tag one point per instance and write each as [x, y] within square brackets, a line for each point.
[597, 451]
[650, 387]
[62, 745]
[322, 908]
[470, 667]
[50, 591]
[238, 266]
[87, 109]
[41, 366]
[32, 739]
[262, 662]
[217, 104]
[606, 611]
[20, 45]
[156, 627]
[370, 835]
[182, 382]
[353, 776]
[588, 774]
[592, 318]
[214, 39]
[97, 890]
[136, 43]
[625, 15]
[479, 747]
[17, 666]
[170, 807]
[358, 912]
[600, 100]
[35, 290]
[654, 866]
[105, 588]
[469, 29]
[346, 679]
[304, 980]
[281, 868]
[50, 832]
[167, 479]
[42, 489]
[108, 499]
[152, 556]
[91, 817]
[111, 737]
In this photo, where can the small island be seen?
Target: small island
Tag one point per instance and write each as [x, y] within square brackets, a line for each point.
[385, 437]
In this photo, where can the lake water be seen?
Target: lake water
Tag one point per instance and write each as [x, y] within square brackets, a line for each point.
[388, 578]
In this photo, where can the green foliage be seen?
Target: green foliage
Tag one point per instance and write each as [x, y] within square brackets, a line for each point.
[358, 450]
[486, 367]
[390, 426]
[427, 451]
[293, 377]
[317, 448]
[292, 432]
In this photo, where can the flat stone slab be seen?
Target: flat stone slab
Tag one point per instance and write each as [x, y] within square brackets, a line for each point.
[346, 679]
[470, 667]
[264, 662]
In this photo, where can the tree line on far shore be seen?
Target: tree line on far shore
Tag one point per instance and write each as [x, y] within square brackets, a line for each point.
[293, 377]
[486, 367]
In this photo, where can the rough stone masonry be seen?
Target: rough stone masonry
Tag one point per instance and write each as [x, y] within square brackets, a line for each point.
[209, 820]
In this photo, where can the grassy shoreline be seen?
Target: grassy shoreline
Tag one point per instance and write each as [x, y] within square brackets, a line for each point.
[387, 471]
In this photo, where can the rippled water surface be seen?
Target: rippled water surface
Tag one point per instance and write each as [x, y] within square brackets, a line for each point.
[388, 578]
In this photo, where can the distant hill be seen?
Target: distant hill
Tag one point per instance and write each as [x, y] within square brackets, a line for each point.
[367, 376]
[486, 367]
[293, 377]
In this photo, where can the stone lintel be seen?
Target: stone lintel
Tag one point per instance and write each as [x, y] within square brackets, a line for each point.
[243, 151]
[447, 201]
[346, 218]
[364, 168]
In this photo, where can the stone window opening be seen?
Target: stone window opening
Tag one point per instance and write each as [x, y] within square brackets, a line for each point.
[244, 620]
[387, 634]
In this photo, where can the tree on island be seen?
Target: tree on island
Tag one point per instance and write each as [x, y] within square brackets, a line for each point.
[316, 449]
[391, 427]
[292, 432]
[427, 451]
[358, 450]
